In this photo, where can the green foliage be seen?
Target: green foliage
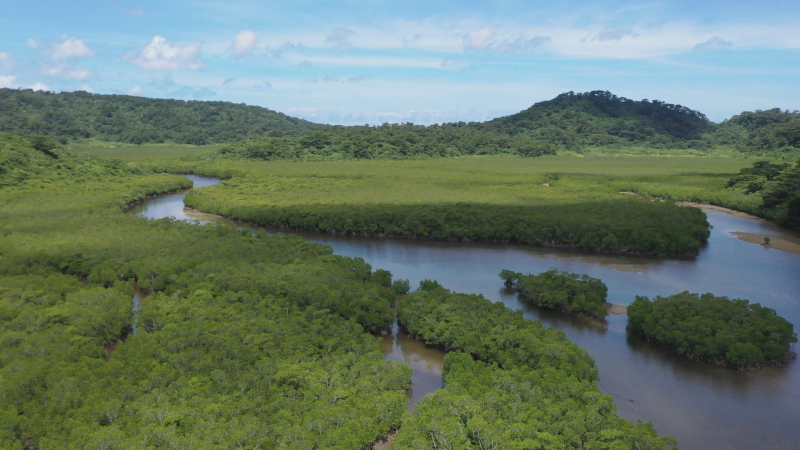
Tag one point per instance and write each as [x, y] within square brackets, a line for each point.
[247, 340]
[764, 131]
[510, 383]
[568, 292]
[76, 116]
[600, 118]
[452, 200]
[717, 329]
[389, 141]
[777, 185]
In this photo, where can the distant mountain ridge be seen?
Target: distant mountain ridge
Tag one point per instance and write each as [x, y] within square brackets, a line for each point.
[71, 116]
[571, 121]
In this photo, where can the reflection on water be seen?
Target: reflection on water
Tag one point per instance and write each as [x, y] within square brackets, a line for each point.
[702, 405]
[138, 297]
[426, 362]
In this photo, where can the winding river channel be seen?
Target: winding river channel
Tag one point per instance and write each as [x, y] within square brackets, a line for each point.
[702, 405]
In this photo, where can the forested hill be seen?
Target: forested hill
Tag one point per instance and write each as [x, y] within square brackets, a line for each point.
[600, 118]
[760, 131]
[71, 116]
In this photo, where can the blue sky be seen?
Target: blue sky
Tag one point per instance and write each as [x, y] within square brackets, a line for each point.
[367, 61]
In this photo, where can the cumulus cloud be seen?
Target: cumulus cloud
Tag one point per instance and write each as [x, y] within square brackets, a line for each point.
[161, 55]
[6, 57]
[263, 85]
[39, 86]
[485, 40]
[244, 42]
[714, 43]
[228, 81]
[70, 47]
[134, 12]
[32, 43]
[613, 33]
[340, 38]
[137, 90]
[67, 72]
[8, 81]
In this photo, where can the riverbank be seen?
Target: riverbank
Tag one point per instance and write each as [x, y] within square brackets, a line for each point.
[780, 239]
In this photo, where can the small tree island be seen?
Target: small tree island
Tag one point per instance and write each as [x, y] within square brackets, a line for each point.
[728, 332]
[568, 292]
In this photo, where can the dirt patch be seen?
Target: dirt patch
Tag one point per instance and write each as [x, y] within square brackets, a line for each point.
[732, 212]
[630, 193]
[774, 242]
[618, 310]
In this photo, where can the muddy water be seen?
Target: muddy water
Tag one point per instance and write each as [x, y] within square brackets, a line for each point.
[703, 406]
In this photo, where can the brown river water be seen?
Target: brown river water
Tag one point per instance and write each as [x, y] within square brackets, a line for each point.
[702, 405]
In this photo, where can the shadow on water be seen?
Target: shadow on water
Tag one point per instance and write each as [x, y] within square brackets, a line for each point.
[702, 405]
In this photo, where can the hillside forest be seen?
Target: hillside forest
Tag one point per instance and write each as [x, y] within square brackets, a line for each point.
[571, 122]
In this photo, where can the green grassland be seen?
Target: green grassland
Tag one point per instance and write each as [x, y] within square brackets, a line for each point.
[562, 201]
[138, 153]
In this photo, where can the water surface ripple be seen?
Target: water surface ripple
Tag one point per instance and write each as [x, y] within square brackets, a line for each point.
[702, 405]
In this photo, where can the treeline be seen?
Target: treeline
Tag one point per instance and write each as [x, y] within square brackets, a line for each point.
[510, 383]
[717, 329]
[762, 131]
[779, 187]
[570, 122]
[620, 226]
[572, 293]
[43, 159]
[391, 141]
[75, 116]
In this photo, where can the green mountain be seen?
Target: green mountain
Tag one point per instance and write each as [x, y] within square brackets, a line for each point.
[71, 116]
[600, 118]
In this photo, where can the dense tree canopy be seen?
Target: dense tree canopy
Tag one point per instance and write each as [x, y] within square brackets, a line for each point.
[71, 116]
[717, 329]
[563, 291]
[779, 187]
[510, 383]
[762, 131]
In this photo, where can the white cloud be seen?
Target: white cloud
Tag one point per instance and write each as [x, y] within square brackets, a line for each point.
[5, 57]
[32, 43]
[160, 55]
[485, 40]
[87, 88]
[39, 86]
[137, 90]
[340, 38]
[70, 47]
[714, 43]
[245, 42]
[67, 72]
[263, 85]
[613, 33]
[478, 38]
[8, 81]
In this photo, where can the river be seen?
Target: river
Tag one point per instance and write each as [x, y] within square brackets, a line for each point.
[702, 405]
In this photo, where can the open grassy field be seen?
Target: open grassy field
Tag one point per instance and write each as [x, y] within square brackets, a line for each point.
[564, 201]
[143, 152]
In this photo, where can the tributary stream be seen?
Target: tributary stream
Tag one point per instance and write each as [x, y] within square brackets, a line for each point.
[702, 405]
